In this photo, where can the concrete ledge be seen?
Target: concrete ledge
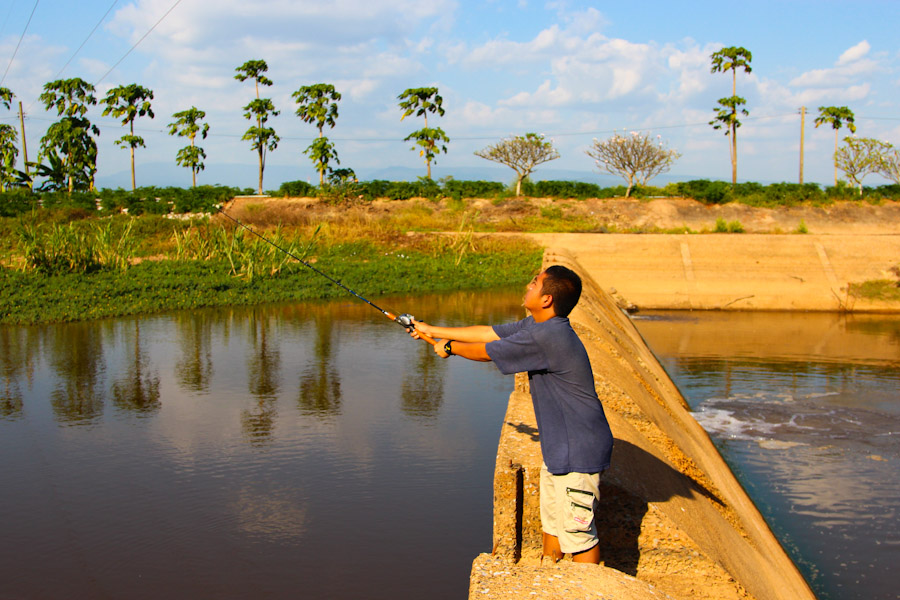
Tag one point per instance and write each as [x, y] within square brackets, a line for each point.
[736, 272]
[496, 578]
[672, 514]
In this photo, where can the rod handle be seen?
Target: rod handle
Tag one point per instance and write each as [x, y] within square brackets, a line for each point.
[427, 338]
[406, 321]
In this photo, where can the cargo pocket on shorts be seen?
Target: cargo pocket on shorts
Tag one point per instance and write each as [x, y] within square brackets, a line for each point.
[579, 510]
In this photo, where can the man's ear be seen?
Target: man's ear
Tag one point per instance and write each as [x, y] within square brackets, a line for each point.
[546, 301]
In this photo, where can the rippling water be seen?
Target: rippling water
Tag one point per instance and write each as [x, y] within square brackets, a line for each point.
[310, 450]
[806, 410]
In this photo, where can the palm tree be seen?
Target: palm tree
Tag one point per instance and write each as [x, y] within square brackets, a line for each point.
[730, 59]
[836, 116]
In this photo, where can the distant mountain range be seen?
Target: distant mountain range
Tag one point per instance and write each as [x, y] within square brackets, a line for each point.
[246, 175]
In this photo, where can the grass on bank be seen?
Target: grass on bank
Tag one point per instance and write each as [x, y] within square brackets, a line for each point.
[202, 263]
[878, 289]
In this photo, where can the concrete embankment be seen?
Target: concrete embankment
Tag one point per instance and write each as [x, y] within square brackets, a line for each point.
[736, 271]
[673, 521]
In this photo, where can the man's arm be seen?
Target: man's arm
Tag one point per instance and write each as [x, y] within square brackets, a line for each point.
[472, 334]
[471, 350]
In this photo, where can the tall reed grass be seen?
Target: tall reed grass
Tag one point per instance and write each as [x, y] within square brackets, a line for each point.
[75, 247]
[247, 255]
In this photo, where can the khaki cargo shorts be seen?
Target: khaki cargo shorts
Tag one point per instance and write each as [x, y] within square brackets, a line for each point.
[567, 508]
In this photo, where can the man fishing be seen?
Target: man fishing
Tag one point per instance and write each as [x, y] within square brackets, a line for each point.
[576, 442]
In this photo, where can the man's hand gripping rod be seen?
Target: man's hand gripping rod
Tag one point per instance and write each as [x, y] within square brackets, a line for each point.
[406, 320]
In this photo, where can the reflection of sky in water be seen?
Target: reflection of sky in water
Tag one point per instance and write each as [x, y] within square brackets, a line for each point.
[241, 453]
[812, 432]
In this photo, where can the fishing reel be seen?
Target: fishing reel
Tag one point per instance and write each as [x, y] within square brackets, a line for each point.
[406, 320]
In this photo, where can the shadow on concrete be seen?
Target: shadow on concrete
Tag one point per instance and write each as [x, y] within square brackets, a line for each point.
[525, 429]
[635, 479]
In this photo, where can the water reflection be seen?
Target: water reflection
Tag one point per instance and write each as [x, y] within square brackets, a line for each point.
[320, 381]
[17, 350]
[273, 516]
[76, 355]
[422, 391]
[138, 389]
[264, 377]
[211, 387]
[194, 369]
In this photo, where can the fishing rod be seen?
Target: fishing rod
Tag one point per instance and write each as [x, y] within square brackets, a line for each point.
[406, 320]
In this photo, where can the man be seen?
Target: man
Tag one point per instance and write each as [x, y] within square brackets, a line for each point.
[576, 442]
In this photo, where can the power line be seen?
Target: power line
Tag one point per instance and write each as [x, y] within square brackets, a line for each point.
[138, 129]
[74, 54]
[21, 37]
[9, 12]
[177, 2]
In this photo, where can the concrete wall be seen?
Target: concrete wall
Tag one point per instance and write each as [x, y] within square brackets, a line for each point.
[672, 514]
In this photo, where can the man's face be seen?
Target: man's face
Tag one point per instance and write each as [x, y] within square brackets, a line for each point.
[532, 300]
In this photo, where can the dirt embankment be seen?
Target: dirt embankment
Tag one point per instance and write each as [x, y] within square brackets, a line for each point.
[768, 267]
[665, 214]
[629, 215]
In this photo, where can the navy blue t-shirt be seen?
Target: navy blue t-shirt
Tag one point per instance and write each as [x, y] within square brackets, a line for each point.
[575, 436]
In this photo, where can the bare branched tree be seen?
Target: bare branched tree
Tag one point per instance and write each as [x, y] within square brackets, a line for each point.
[890, 164]
[636, 157]
[859, 157]
[521, 153]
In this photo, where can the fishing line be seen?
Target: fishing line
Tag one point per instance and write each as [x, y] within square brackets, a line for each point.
[406, 320]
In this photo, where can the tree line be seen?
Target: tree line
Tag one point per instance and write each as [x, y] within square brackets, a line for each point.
[68, 151]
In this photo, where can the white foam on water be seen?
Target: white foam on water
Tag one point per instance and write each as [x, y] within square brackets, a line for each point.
[723, 422]
[822, 395]
[778, 444]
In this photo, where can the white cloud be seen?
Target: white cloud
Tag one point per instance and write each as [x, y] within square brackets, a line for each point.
[854, 53]
[849, 68]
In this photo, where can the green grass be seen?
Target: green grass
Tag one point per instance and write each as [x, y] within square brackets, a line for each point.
[729, 227]
[877, 289]
[154, 286]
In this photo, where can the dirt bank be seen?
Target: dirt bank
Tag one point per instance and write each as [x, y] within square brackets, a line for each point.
[675, 263]
[629, 215]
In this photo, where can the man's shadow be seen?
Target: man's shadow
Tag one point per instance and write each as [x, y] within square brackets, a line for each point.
[635, 479]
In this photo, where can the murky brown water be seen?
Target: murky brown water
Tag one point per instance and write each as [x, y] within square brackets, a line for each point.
[806, 410]
[311, 450]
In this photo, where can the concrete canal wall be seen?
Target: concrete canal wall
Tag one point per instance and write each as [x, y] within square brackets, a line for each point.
[673, 521]
[736, 272]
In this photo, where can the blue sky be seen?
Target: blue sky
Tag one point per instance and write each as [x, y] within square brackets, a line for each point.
[571, 70]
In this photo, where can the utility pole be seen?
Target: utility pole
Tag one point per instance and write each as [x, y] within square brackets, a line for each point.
[24, 145]
[802, 127]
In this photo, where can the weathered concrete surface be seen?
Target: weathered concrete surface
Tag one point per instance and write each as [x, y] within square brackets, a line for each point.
[672, 514]
[735, 272]
[493, 577]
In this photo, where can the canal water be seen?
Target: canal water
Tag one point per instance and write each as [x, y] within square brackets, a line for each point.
[805, 408]
[310, 450]
[316, 450]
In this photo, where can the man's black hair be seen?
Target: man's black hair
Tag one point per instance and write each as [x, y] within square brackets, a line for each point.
[565, 287]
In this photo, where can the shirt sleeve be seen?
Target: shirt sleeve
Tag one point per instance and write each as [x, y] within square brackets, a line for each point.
[517, 353]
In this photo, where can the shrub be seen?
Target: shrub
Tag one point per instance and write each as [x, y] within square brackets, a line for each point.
[564, 189]
[728, 227]
[472, 189]
[81, 200]
[17, 201]
[703, 190]
[297, 189]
